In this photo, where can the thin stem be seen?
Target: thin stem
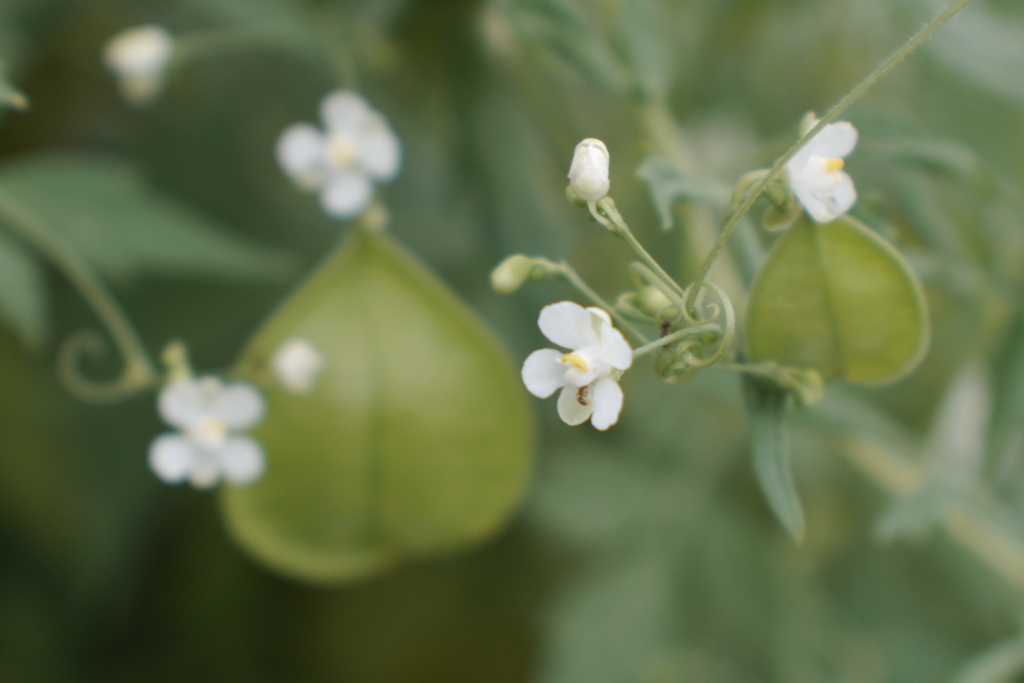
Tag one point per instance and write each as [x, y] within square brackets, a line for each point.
[878, 74]
[139, 371]
[619, 227]
[675, 336]
[566, 271]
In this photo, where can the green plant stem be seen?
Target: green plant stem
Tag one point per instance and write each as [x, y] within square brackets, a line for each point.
[567, 272]
[139, 371]
[675, 336]
[619, 227]
[858, 91]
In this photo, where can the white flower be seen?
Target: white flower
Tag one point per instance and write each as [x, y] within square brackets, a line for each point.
[588, 173]
[139, 57]
[208, 413]
[815, 173]
[588, 375]
[355, 149]
[297, 364]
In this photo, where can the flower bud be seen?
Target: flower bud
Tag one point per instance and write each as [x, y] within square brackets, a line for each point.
[511, 273]
[588, 173]
[297, 364]
[139, 57]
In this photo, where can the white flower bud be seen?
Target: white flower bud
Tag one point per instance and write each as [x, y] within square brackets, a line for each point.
[139, 58]
[588, 173]
[297, 364]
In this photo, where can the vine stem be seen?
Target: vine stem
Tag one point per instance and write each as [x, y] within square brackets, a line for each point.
[139, 371]
[617, 225]
[566, 271]
[880, 72]
[675, 336]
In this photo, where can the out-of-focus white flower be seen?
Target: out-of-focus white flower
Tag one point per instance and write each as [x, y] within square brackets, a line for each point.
[297, 364]
[355, 149]
[588, 173]
[138, 57]
[815, 173]
[587, 375]
[208, 413]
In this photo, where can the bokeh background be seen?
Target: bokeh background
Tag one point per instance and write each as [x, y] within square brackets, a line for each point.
[645, 554]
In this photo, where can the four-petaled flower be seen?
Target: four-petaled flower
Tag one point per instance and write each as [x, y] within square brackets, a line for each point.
[356, 148]
[139, 57]
[815, 173]
[207, 449]
[588, 374]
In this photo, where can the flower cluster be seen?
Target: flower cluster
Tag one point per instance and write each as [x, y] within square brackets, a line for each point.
[209, 415]
[139, 58]
[341, 162]
[588, 374]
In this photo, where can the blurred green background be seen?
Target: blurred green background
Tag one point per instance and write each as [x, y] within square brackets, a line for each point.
[645, 554]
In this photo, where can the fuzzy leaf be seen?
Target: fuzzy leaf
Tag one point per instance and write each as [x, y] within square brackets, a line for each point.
[23, 297]
[839, 299]
[415, 440]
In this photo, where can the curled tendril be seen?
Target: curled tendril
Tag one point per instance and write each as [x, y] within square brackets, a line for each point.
[136, 376]
[714, 330]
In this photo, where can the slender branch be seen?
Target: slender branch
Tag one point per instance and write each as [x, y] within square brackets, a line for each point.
[139, 371]
[858, 91]
[675, 336]
[619, 227]
[566, 271]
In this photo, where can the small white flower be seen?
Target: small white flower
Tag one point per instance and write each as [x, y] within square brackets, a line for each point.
[588, 173]
[297, 364]
[587, 375]
[356, 148]
[815, 173]
[139, 57]
[207, 449]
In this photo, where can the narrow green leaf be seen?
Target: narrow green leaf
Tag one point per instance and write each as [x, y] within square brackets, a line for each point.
[23, 296]
[838, 298]
[101, 206]
[766, 403]
[668, 185]
[416, 439]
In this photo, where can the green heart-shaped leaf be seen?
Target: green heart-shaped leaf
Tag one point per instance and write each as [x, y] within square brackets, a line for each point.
[416, 438]
[839, 299]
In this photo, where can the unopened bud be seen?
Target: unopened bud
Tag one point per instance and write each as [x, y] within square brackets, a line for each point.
[652, 300]
[511, 273]
[588, 173]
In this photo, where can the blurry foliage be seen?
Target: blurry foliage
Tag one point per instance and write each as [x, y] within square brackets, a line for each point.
[646, 554]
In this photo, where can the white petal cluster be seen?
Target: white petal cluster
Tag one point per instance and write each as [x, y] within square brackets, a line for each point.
[588, 374]
[815, 173]
[208, 448]
[355, 149]
[139, 57]
[588, 173]
[297, 364]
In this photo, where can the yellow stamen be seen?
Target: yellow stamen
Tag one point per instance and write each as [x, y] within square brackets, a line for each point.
[834, 165]
[341, 152]
[576, 360]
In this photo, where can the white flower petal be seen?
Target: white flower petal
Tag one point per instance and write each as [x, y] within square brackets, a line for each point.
[816, 207]
[543, 372]
[301, 155]
[567, 324]
[835, 140]
[205, 471]
[242, 460]
[347, 193]
[171, 457]
[343, 110]
[571, 409]
[297, 364]
[796, 165]
[843, 196]
[182, 403]
[238, 405]
[380, 152]
[607, 399]
[139, 51]
[616, 348]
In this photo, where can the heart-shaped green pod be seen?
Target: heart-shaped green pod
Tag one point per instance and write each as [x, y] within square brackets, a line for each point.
[415, 439]
[838, 298]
